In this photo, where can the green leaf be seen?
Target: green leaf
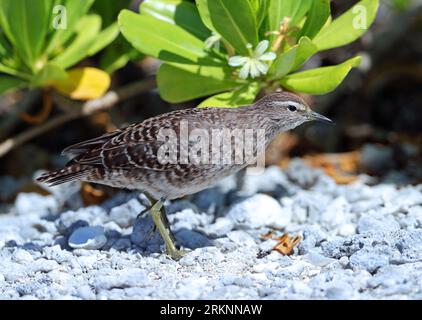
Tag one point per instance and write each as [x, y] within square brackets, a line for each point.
[179, 12]
[87, 31]
[320, 80]
[349, 26]
[259, 7]
[10, 83]
[5, 47]
[279, 9]
[49, 73]
[118, 54]
[104, 38]
[293, 58]
[26, 25]
[242, 96]
[74, 11]
[11, 70]
[109, 10]
[235, 22]
[178, 83]
[317, 17]
[162, 40]
[204, 13]
[305, 50]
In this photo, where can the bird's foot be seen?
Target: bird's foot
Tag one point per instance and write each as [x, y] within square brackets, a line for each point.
[177, 254]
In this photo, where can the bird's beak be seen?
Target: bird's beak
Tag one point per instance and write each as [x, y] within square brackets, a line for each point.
[320, 117]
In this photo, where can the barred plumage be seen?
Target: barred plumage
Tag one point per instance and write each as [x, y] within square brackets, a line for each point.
[128, 158]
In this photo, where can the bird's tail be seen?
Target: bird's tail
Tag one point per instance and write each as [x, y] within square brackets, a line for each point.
[69, 173]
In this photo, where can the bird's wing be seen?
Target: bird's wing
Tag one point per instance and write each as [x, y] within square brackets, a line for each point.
[87, 145]
[138, 145]
[133, 147]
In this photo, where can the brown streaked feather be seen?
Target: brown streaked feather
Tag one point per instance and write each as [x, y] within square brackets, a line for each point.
[81, 147]
[136, 146]
[69, 173]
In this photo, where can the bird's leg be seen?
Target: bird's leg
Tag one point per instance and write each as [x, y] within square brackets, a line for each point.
[161, 222]
[163, 214]
[166, 223]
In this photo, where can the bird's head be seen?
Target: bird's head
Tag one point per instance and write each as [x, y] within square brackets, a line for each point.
[288, 110]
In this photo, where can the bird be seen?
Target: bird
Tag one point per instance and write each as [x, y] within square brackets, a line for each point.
[140, 157]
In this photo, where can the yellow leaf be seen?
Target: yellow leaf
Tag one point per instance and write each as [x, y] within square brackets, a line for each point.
[84, 84]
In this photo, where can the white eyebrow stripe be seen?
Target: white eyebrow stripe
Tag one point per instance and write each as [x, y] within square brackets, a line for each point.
[298, 105]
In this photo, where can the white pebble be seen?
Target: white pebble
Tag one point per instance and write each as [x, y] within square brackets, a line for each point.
[258, 211]
[347, 229]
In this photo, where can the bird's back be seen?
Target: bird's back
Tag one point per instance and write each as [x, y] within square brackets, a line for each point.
[133, 157]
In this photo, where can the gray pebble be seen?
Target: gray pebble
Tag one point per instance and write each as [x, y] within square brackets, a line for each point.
[211, 200]
[121, 244]
[359, 242]
[90, 238]
[368, 223]
[312, 236]
[191, 239]
[339, 291]
[144, 234]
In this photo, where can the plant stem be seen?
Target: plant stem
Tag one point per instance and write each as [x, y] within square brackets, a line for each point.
[281, 34]
[229, 48]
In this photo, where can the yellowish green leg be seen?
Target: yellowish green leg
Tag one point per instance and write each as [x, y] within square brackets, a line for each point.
[161, 222]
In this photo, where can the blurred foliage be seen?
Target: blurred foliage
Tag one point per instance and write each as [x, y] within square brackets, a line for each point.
[236, 48]
[401, 4]
[40, 42]
[119, 52]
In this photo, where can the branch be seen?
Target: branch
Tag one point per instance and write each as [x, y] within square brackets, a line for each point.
[79, 110]
[10, 120]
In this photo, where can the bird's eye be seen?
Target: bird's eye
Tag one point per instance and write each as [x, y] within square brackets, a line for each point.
[292, 108]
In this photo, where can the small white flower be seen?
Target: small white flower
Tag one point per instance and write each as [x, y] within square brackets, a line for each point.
[213, 41]
[254, 65]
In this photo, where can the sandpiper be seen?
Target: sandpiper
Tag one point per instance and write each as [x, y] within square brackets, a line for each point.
[130, 157]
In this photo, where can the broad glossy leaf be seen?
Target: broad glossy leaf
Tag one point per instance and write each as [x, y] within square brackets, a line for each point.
[104, 38]
[306, 49]
[279, 9]
[48, 74]
[320, 80]
[87, 31]
[84, 84]
[178, 83]
[297, 9]
[26, 25]
[241, 96]
[118, 54]
[73, 12]
[235, 22]
[293, 58]
[349, 26]
[180, 12]
[259, 7]
[204, 13]
[8, 83]
[316, 19]
[162, 40]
